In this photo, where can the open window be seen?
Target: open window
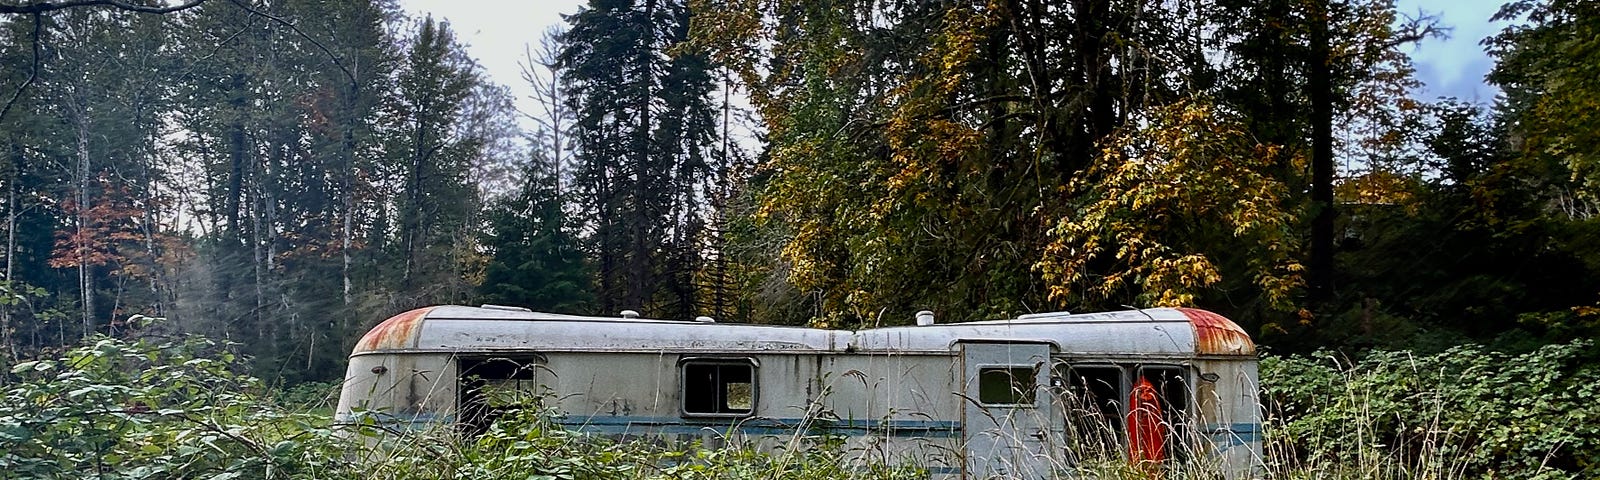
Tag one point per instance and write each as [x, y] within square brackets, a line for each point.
[1171, 385]
[1102, 402]
[490, 387]
[719, 387]
[1093, 397]
[1007, 385]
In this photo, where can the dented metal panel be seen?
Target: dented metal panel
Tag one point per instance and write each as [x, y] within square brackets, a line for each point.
[399, 331]
[1216, 335]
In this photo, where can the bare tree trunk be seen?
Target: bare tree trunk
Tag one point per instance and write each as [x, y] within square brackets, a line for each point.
[719, 205]
[85, 279]
[236, 157]
[257, 255]
[348, 215]
[347, 156]
[411, 217]
[643, 210]
[148, 215]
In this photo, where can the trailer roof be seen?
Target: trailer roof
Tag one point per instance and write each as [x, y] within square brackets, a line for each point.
[461, 329]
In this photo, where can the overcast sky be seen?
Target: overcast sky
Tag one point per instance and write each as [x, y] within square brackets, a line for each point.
[496, 32]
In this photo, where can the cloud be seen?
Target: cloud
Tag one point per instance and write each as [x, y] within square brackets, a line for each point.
[1455, 66]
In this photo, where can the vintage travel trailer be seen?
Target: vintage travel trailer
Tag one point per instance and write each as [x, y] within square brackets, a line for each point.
[1030, 397]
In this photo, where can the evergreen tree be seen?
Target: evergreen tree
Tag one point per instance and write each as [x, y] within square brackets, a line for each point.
[534, 260]
[643, 132]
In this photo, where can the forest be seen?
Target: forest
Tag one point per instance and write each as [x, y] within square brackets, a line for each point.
[285, 174]
[277, 176]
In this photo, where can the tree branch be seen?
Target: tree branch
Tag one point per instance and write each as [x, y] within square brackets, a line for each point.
[945, 111]
[44, 7]
[281, 21]
[33, 75]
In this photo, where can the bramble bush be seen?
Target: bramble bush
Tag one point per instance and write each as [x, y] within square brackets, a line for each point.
[1461, 413]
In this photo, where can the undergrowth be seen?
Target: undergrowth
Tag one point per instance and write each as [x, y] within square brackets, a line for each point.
[1461, 413]
[114, 409]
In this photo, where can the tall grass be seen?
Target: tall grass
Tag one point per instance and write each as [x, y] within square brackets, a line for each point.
[1461, 413]
[115, 409]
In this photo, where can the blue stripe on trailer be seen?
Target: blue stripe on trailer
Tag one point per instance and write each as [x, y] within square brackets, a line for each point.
[621, 425]
[1225, 436]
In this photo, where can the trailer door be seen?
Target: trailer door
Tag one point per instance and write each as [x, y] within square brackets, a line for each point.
[1006, 417]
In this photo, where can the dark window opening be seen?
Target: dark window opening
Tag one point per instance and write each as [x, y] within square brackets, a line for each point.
[1103, 402]
[1171, 385]
[1093, 399]
[718, 388]
[490, 388]
[1007, 385]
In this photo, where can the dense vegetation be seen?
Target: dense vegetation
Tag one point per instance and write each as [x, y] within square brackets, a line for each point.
[1461, 413]
[282, 174]
[181, 409]
[285, 174]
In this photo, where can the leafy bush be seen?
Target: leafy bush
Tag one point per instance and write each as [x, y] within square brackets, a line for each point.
[1461, 413]
[115, 409]
[178, 409]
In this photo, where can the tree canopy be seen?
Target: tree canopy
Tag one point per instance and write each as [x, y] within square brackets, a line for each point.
[287, 173]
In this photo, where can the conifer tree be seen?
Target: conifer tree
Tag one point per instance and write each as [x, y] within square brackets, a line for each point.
[534, 260]
[643, 133]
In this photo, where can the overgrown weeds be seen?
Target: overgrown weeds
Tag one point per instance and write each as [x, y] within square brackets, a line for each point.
[1461, 413]
[115, 409]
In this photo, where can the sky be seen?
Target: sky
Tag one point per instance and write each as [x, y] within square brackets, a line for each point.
[1455, 66]
[497, 31]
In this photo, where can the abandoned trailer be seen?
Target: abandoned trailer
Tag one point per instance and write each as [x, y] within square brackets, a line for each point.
[1025, 398]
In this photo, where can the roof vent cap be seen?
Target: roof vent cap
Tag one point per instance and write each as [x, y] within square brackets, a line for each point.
[705, 319]
[630, 314]
[924, 318]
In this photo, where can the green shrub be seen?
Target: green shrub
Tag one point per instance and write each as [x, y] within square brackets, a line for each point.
[1461, 413]
[115, 409]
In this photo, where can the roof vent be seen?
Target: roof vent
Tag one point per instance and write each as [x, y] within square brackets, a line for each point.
[1035, 316]
[507, 308]
[630, 314]
[705, 319]
[924, 318]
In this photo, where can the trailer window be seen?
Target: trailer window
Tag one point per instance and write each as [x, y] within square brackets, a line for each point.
[492, 387]
[1171, 384]
[1006, 385]
[719, 388]
[1092, 398]
[1094, 395]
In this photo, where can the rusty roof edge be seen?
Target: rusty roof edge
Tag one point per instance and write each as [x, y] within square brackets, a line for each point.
[1215, 334]
[397, 332]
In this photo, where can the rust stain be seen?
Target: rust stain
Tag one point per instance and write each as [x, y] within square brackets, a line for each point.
[1216, 335]
[399, 331]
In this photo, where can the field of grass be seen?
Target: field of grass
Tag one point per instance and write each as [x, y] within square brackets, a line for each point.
[113, 409]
